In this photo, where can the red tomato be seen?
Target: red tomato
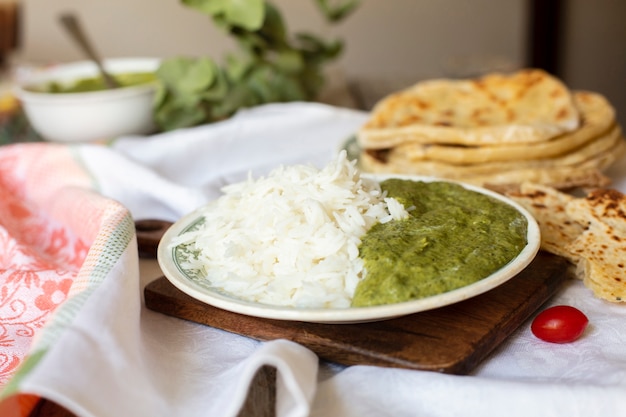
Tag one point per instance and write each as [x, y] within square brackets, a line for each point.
[559, 324]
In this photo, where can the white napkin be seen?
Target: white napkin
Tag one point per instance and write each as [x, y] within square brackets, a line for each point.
[170, 174]
[136, 362]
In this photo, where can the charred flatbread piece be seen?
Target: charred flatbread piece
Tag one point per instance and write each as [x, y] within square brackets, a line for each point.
[590, 232]
[602, 246]
[549, 207]
[527, 106]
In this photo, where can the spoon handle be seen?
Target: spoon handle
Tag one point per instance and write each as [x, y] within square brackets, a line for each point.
[72, 24]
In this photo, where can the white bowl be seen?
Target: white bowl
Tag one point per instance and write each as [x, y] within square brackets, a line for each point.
[89, 116]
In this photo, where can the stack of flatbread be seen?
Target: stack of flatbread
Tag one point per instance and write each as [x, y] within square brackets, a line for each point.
[590, 232]
[495, 131]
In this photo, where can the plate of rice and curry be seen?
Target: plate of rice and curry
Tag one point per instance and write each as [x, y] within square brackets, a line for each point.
[333, 245]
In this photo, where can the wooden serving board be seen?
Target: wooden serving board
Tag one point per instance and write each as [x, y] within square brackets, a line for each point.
[452, 339]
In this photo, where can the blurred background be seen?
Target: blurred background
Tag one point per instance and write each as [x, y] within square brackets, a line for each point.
[389, 44]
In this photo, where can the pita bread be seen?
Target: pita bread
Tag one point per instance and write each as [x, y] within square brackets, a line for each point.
[548, 207]
[567, 172]
[602, 246]
[528, 106]
[592, 148]
[590, 232]
[597, 118]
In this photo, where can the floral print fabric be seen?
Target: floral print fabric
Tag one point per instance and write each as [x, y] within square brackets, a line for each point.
[45, 235]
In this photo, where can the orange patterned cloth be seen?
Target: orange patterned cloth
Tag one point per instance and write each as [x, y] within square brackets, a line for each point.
[50, 224]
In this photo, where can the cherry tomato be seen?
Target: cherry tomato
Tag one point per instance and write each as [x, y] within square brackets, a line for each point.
[559, 324]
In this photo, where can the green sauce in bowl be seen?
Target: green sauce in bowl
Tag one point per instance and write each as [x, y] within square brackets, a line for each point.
[91, 84]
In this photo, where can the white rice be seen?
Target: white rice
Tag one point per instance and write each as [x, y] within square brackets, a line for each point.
[291, 238]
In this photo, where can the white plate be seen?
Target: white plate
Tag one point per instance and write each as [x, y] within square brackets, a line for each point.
[201, 290]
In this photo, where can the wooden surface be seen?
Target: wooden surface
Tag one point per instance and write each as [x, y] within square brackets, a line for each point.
[452, 339]
[46, 408]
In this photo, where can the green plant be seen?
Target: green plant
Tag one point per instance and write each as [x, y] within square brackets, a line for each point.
[269, 66]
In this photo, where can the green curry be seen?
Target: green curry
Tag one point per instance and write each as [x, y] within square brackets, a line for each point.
[453, 237]
[85, 85]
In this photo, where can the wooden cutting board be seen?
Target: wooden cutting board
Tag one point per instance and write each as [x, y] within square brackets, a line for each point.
[453, 339]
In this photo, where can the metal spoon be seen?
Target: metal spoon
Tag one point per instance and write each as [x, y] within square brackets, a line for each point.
[71, 23]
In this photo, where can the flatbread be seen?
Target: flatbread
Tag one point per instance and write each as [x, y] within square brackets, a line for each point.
[528, 106]
[548, 207]
[395, 157]
[597, 118]
[602, 246]
[587, 174]
[590, 232]
[567, 172]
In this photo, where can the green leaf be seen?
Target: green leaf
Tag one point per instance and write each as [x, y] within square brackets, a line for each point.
[172, 116]
[315, 49]
[248, 14]
[260, 83]
[160, 95]
[237, 66]
[270, 85]
[291, 89]
[218, 90]
[240, 96]
[251, 42]
[209, 7]
[187, 75]
[339, 12]
[312, 80]
[273, 29]
[288, 60]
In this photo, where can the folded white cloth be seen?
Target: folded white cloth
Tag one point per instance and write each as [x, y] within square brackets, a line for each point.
[168, 175]
[120, 359]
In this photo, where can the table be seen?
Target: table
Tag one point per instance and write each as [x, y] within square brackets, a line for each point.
[523, 373]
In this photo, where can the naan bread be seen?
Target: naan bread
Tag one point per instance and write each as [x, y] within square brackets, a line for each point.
[528, 106]
[590, 232]
[548, 206]
[589, 150]
[602, 246]
[455, 135]
[597, 119]
[567, 172]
